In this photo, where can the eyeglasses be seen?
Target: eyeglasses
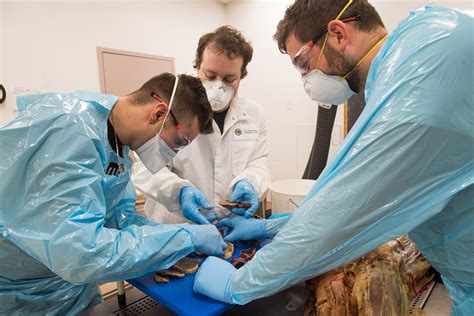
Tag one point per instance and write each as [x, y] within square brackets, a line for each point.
[302, 59]
[180, 140]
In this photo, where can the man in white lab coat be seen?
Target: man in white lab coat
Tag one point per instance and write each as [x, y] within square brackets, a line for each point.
[230, 163]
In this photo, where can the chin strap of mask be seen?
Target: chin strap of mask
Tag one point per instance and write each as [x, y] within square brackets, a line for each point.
[319, 153]
[3, 94]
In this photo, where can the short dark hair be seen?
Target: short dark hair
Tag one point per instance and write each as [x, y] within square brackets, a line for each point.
[226, 40]
[190, 99]
[306, 18]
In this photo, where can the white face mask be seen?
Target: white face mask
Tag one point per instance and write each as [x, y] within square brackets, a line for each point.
[219, 94]
[326, 90]
[331, 90]
[155, 153]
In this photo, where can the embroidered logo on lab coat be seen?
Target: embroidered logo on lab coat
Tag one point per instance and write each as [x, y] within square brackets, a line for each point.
[239, 132]
[250, 131]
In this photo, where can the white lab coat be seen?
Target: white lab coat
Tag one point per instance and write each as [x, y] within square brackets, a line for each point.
[212, 163]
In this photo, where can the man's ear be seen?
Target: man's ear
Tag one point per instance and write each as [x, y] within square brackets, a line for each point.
[157, 111]
[338, 35]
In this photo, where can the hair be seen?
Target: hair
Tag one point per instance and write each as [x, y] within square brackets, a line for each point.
[226, 40]
[306, 18]
[190, 99]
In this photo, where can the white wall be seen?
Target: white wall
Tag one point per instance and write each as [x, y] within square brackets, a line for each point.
[52, 47]
[6, 109]
[1, 42]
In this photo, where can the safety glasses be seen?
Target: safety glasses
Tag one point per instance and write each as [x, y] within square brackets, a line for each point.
[180, 140]
[302, 59]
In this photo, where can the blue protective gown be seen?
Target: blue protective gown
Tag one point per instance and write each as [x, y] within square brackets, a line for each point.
[407, 166]
[66, 225]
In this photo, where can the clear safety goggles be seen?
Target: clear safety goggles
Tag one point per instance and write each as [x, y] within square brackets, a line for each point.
[302, 59]
[180, 140]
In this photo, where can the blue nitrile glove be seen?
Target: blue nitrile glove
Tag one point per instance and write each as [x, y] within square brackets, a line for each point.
[206, 239]
[214, 279]
[192, 201]
[279, 215]
[244, 192]
[241, 228]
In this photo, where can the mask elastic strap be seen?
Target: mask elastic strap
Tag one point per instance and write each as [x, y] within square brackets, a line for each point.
[322, 50]
[365, 57]
[343, 10]
[326, 38]
[169, 105]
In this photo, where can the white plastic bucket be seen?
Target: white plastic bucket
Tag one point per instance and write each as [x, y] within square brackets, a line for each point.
[287, 194]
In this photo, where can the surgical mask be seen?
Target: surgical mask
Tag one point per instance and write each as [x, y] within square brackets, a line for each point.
[155, 153]
[219, 94]
[326, 90]
[329, 90]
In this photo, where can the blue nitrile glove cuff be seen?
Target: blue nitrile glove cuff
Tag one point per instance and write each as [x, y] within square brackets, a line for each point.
[187, 194]
[273, 226]
[244, 182]
[182, 192]
[260, 229]
[278, 215]
[214, 279]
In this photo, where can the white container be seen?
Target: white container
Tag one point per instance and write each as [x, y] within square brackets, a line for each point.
[287, 194]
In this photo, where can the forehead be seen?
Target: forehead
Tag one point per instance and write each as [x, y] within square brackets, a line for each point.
[217, 62]
[293, 45]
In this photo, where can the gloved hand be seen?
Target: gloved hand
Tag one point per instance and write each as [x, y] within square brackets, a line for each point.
[241, 228]
[206, 239]
[192, 200]
[214, 279]
[244, 192]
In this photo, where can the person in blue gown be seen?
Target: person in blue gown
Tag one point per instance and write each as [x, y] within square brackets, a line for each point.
[67, 206]
[406, 167]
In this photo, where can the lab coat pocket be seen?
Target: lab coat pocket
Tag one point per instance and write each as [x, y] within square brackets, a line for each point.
[243, 146]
